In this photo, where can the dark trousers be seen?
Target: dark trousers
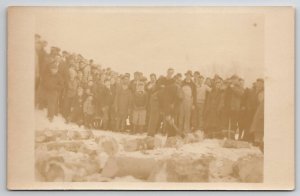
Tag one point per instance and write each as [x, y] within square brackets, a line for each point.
[77, 116]
[120, 123]
[154, 121]
[67, 103]
[88, 120]
[52, 104]
[107, 118]
[234, 118]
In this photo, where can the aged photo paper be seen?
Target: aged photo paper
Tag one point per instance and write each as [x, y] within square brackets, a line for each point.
[150, 98]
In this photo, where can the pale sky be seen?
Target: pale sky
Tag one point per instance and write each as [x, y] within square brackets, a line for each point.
[152, 41]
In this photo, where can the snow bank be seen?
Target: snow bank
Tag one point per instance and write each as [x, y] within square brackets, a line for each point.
[67, 152]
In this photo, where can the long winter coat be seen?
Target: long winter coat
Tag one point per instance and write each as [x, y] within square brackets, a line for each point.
[257, 126]
[123, 102]
[106, 97]
[214, 106]
[52, 85]
[167, 97]
[236, 97]
[154, 114]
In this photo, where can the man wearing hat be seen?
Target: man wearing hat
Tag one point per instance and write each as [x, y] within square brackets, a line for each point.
[257, 126]
[235, 92]
[122, 103]
[214, 104]
[133, 83]
[178, 107]
[70, 91]
[170, 73]
[151, 84]
[189, 92]
[202, 90]
[168, 98]
[106, 102]
[196, 76]
[52, 85]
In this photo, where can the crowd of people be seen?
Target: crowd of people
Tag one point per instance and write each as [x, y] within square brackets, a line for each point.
[89, 95]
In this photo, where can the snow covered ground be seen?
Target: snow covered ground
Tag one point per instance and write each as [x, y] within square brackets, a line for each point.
[66, 152]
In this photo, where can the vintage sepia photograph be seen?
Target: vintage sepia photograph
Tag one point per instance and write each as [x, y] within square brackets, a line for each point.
[138, 96]
[152, 97]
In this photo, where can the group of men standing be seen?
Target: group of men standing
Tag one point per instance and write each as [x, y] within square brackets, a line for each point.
[86, 94]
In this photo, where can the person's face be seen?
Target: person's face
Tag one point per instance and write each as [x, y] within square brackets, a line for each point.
[72, 75]
[54, 70]
[153, 78]
[136, 76]
[126, 80]
[118, 80]
[200, 80]
[125, 85]
[208, 82]
[87, 70]
[170, 72]
[112, 81]
[259, 85]
[188, 77]
[37, 39]
[102, 78]
[235, 81]
[141, 75]
[196, 76]
[223, 86]
[90, 83]
[178, 80]
[44, 44]
[66, 56]
[242, 83]
[140, 88]
[38, 45]
[52, 52]
[254, 85]
[80, 92]
[107, 84]
[81, 65]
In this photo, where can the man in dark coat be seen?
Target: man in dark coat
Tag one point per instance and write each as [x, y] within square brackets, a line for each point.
[139, 102]
[154, 113]
[214, 106]
[167, 99]
[133, 83]
[106, 98]
[237, 91]
[122, 104]
[178, 106]
[248, 107]
[70, 92]
[77, 115]
[257, 126]
[232, 102]
[52, 85]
